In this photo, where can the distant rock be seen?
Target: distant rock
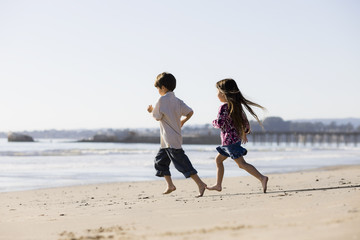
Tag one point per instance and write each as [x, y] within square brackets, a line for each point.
[122, 137]
[17, 137]
[104, 138]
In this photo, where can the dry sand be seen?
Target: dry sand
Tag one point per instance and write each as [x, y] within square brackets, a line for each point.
[319, 204]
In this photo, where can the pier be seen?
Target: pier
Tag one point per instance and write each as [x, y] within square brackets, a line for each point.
[347, 138]
[256, 137]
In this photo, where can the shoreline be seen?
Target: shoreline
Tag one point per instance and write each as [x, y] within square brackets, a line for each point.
[180, 177]
[312, 204]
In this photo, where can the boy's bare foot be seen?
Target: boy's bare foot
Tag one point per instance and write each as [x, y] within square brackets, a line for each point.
[202, 190]
[169, 190]
[215, 187]
[264, 182]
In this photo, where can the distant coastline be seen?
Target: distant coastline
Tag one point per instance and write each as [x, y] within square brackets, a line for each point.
[274, 129]
[212, 139]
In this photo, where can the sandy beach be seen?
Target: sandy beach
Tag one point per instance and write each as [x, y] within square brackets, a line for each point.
[317, 204]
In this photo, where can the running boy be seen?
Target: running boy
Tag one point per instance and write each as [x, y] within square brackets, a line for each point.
[168, 111]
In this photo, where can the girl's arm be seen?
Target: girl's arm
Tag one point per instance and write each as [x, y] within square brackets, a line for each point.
[247, 124]
[222, 116]
[187, 117]
[247, 129]
[245, 140]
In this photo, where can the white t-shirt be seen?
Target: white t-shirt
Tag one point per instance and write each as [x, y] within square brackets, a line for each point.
[169, 110]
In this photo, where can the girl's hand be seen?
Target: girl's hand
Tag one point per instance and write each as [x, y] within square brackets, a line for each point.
[150, 108]
[245, 140]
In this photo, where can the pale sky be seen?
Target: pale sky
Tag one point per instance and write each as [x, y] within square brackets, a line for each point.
[92, 64]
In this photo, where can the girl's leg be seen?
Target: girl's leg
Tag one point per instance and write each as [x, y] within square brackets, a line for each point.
[253, 171]
[220, 173]
[170, 185]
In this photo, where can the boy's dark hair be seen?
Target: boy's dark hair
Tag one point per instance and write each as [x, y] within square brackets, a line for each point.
[167, 80]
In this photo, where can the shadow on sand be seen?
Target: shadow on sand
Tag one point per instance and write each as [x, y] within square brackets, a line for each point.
[290, 191]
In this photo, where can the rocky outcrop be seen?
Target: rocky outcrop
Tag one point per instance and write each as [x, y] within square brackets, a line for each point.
[17, 137]
[104, 138]
[107, 137]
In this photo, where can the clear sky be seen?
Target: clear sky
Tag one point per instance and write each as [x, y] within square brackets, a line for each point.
[92, 64]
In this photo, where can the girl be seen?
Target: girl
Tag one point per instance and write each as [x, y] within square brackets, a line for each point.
[234, 126]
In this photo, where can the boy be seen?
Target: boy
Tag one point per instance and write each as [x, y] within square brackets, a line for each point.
[168, 111]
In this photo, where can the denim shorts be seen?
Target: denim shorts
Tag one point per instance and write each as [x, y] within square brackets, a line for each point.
[233, 150]
[178, 158]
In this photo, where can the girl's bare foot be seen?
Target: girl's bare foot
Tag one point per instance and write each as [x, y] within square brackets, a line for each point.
[169, 190]
[215, 187]
[264, 182]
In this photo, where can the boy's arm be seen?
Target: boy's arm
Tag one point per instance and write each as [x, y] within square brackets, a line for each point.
[150, 108]
[187, 117]
[155, 111]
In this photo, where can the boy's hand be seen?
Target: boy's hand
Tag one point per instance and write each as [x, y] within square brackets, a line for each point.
[182, 122]
[187, 117]
[150, 108]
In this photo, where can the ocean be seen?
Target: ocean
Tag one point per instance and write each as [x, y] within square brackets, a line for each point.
[50, 163]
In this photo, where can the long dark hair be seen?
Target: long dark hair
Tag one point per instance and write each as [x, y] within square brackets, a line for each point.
[236, 101]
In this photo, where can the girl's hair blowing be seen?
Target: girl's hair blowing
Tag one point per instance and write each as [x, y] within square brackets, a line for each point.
[236, 101]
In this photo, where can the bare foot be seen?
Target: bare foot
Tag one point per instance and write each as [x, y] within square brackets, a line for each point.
[264, 183]
[169, 190]
[215, 187]
[201, 190]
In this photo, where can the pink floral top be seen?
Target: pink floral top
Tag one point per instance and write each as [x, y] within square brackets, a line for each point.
[229, 134]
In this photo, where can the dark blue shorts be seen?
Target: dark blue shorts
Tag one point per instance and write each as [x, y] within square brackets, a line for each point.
[179, 159]
[233, 150]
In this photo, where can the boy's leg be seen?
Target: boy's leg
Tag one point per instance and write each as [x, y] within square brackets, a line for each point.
[181, 161]
[201, 185]
[170, 185]
[220, 173]
[162, 162]
[183, 165]
[253, 171]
